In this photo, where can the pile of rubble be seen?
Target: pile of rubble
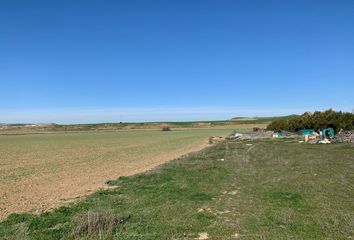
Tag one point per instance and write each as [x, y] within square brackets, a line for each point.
[314, 138]
[284, 134]
[251, 135]
[344, 136]
[215, 139]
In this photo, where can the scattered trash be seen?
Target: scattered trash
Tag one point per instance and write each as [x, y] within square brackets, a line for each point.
[323, 136]
[237, 236]
[221, 159]
[283, 133]
[305, 132]
[222, 212]
[251, 135]
[233, 192]
[236, 136]
[215, 139]
[344, 136]
[202, 236]
[312, 138]
[324, 141]
[327, 133]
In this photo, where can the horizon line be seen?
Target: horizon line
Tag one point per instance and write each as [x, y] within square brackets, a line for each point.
[96, 115]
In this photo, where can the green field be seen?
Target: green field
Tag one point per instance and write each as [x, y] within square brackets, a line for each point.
[39, 172]
[261, 189]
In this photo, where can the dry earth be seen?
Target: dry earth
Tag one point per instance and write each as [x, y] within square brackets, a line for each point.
[40, 172]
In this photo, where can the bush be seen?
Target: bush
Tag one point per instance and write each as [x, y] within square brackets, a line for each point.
[97, 222]
[317, 121]
[166, 129]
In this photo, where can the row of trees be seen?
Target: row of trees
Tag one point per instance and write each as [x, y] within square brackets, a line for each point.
[317, 120]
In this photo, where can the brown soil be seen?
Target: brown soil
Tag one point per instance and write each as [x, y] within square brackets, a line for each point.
[52, 185]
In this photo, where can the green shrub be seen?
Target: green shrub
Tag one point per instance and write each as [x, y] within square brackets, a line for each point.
[317, 120]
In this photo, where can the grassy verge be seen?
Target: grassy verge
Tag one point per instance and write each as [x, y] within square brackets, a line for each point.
[269, 189]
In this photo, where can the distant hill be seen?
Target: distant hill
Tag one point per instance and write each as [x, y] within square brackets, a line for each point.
[52, 127]
[243, 118]
[259, 119]
[28, 128]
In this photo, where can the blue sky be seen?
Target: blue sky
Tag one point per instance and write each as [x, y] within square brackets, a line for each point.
[105, 61]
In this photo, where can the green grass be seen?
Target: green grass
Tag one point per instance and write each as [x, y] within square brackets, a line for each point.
[272, 189]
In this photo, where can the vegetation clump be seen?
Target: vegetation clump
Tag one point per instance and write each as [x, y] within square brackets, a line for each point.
[317, 120]
[166, 128]
[96, 222]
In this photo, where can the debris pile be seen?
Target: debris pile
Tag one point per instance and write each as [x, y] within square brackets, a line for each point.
[324, 141]
[251, 135]
[324, 136]
[288, 134]
[260, 134]
[312, 138]
[344, 136]
[215, 139]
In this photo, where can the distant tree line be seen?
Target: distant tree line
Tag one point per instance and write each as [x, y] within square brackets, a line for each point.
[317, 120]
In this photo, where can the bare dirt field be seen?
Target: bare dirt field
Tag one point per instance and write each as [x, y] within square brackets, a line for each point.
[40, 172]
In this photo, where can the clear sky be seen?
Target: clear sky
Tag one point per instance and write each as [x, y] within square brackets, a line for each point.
[71, 61]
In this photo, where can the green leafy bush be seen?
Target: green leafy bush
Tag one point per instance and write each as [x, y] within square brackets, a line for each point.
[317, 120]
